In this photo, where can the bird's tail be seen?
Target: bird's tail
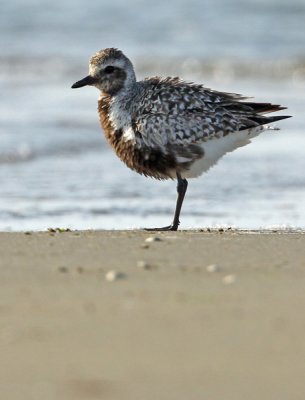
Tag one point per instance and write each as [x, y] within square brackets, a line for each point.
[259, 110]
[262, 120]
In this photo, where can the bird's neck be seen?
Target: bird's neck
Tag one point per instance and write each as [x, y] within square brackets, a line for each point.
[118, 107]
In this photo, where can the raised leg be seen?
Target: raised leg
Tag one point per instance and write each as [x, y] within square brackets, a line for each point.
[181, 190]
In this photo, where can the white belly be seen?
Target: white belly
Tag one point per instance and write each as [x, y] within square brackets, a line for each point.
[214, 149]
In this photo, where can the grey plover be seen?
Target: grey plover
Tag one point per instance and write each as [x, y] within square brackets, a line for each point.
[167, 128]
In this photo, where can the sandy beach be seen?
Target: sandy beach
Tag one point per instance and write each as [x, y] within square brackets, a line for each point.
[116, 315]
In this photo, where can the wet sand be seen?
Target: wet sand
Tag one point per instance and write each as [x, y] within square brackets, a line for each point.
[160, 325]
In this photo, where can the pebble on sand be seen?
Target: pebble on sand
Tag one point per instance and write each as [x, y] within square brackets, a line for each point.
[212, 268]
[63, 269]
[151, 239]
[229, 279]
[112, 276]
[143, 264]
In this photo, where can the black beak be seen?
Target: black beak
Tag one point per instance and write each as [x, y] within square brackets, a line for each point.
[89, 80]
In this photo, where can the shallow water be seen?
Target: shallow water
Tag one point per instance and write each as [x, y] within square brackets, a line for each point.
[55, 166]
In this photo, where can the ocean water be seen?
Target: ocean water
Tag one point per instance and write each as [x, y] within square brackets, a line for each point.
[56, 168]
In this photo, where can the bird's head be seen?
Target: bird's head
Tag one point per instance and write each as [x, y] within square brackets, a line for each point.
[109, 71]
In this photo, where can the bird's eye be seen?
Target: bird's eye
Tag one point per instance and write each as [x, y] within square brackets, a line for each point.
[109, 69]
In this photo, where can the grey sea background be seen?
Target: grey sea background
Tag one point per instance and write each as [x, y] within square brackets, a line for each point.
[56, 169]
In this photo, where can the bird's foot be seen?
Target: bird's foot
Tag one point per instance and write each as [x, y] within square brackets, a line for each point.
[163, 229]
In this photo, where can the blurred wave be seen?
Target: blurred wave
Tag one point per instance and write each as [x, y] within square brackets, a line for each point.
[225, 28]
[35, 70]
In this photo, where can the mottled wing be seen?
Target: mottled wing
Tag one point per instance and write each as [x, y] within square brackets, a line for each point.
[173, 112]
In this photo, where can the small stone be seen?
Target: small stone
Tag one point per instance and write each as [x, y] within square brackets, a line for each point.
[61, 230]
[212, 268]
[153, 239]
[143, 265]
[112, 276]
[229, 279]
[63, 269]
[144, 246]
[27, 233]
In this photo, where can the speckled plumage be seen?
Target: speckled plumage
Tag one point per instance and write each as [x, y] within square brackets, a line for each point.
[166, 127]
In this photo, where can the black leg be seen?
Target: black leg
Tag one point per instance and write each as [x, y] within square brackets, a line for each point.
[181, 190]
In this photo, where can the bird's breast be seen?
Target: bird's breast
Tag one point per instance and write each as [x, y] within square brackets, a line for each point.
[154, 162]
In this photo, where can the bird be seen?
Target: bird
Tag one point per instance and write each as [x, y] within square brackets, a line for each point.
[168, 128]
